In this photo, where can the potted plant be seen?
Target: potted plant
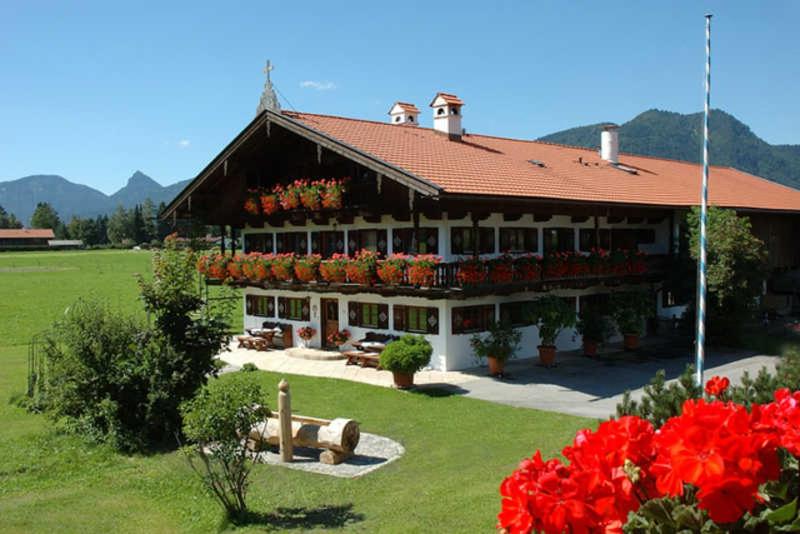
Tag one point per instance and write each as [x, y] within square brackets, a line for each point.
[269, 203]
[629, 310]
[501, 270]
[252, 201]
[528, 267]
[334, 269]
[289, 196]
[390, 271]
[551, 314]
[361, 269]
[332, 192]
[309, 195]
[235, 267]
[471, 271]
[404, 357]
[217, 266]
[421, 269]
[306, 334]
[339, 338]
[283, 267]
[556, 265]
[306, 268]
[500, 344]
[594, 327]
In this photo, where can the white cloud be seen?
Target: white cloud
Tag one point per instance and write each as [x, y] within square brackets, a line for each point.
[184, 143]
[319, 86]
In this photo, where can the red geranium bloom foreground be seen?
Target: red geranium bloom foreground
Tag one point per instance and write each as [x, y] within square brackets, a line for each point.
[721, 449]
[717, 385]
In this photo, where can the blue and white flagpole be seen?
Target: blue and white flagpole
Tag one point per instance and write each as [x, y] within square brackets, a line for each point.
[701, 264]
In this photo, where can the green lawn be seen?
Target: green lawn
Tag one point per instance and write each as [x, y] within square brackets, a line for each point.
[458, 449]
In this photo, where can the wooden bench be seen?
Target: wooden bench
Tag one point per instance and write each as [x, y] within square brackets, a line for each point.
[362, 358]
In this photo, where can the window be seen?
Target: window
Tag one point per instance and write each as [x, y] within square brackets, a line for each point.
[260, 305]
[296, 242]
[416, 319]
[515, 313]
[588, 239]
[327, 244]
[368, 315]
[598, 301]
[294, 309]
[427, 240]
[374, 240]
[468, 319]
[519, 240]
[462, 240]
[559, 239]
[258, 242]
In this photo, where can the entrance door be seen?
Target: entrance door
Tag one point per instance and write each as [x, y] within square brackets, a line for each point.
[330, 320]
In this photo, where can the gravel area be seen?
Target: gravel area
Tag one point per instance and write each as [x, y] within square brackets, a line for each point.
[373, 452]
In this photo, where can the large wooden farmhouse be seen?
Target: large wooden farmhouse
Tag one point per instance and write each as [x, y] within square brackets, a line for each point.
[489, 207]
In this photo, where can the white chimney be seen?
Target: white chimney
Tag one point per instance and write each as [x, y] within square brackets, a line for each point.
[447, 114]
[404, 113]
[609, 143]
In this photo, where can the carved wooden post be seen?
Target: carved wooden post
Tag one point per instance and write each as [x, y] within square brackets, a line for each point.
[285, 417]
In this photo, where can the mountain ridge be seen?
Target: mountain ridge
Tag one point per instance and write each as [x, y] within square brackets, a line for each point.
[672, 135]
[20, 196]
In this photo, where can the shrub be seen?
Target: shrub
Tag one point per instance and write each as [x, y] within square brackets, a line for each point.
[551, 314]
[215, 422]
[629, 310]
[408, 354]
[593, 325]
[249, 367]
[501, 342]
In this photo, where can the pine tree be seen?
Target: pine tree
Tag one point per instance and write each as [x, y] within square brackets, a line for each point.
[44, 216]
[8, 220]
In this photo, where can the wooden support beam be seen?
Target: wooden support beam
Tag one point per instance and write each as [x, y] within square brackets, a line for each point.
[319, 154]
[508, 217]
[267, 124]
[579, 218]
[541, 217]
[225, 168]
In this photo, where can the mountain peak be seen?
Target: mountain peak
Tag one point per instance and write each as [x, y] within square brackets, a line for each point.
[139, 179]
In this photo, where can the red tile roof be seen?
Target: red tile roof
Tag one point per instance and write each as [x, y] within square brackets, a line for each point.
[494, 166]
[450, 99]
[27, 233]
[405, 106]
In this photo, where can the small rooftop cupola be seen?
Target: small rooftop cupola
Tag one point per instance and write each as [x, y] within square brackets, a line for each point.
[447, 114]
[404, 113]
[268, 98]
[609, 143]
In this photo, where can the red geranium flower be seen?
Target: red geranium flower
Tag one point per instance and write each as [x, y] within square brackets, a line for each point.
[717, 385]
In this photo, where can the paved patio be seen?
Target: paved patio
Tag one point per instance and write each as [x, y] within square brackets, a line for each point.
[577, 385]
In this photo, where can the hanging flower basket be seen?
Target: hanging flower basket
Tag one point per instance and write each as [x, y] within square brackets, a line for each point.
[421, 269]
[361, 269]
[283, 267]
[269, 203]
[252, 202]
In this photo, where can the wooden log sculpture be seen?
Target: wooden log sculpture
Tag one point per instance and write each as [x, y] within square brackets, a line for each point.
[339, 437]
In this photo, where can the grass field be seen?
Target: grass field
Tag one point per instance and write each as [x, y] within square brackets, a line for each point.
[458, 449]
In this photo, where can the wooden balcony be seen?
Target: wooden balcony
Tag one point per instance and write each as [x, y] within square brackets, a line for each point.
[447, 283]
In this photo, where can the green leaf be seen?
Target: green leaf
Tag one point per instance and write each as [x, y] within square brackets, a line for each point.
[784, 514]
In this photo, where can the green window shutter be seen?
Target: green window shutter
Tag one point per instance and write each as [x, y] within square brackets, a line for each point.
[353, 313]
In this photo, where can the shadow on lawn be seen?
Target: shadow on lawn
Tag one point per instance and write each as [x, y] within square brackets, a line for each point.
[284, 518]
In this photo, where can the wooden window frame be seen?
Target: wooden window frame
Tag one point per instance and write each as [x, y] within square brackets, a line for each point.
[355, 315]
[514, 313]
[529, 236]
[260, 305]
[288, 305]
[467, 234]
[294, 239]
[264, 241]
[560, 230]
[405, 237]
[323, 242]
[402, 319]
[483, 315]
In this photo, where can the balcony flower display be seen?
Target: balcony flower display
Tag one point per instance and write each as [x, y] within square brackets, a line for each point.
[258, 267]
[421, 269]
[578, 264]
[717, 465]
[472, 272]
[556, 265]
[215, 266]
[618, 262]
[235, 267]
[598, 261]
[289, 196]
[283, 267]
[332, 192]
[361, 269]
[528, 267]
[252, 202]
[334, 269]
[636, 262]
[310, 195]
[501, 270]
[269, 203]
[390, 271]
[306, 268]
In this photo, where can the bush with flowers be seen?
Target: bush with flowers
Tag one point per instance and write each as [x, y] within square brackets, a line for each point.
[391, 270]
[471, 272]
[310, 195]
[334, 269]
[361, 268]
[556, 265]
[283, 267]
[252, 202]
[306, 333]
[528, 267]
[306, 268]
[421, 269]
[339, 338]
[501, 270]
[714, 467]
[269, 203]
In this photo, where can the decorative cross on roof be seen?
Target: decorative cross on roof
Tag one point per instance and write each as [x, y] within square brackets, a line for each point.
[268, 98]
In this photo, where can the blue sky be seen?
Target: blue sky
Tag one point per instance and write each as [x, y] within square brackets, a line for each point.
[95, 90]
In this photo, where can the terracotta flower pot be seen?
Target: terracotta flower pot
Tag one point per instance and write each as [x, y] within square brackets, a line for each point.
[403, 380]
[631, 341]
[547, 355]
[589, 348]
[496, 366]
